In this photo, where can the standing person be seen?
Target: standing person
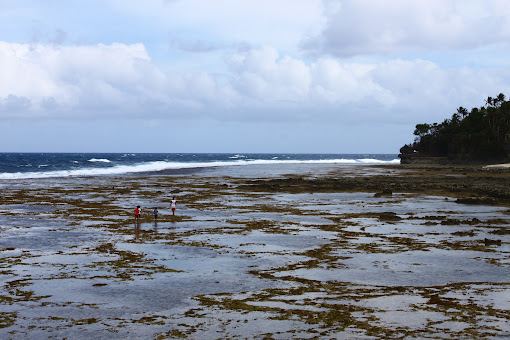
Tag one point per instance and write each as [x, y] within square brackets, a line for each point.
[172, 205]
[137, 213]
[155, 213]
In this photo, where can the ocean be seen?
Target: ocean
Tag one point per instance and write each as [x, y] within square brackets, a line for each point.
[51, 165]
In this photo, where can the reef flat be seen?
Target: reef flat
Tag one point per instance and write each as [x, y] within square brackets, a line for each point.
[368, 252]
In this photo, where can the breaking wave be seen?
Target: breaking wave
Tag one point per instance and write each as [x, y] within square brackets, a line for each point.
[166, 165]
[101, 160]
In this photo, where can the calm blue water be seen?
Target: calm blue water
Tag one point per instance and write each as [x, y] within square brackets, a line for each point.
[46, 165]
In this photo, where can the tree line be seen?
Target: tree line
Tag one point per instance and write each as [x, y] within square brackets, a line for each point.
[482, 134]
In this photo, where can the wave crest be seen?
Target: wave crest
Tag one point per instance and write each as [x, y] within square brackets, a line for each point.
[101, 160]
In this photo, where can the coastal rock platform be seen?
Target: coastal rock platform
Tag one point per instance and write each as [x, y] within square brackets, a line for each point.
[355, 252]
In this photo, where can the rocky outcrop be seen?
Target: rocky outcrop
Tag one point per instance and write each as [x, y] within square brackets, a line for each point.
[416, 158]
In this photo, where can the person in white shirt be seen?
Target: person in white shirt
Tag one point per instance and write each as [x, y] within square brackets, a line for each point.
[172, 205]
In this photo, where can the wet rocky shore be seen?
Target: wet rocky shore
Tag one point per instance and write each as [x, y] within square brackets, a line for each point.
[471, 184]
[324, 252]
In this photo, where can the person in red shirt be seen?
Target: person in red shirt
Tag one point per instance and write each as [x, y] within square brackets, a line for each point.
[137, 213]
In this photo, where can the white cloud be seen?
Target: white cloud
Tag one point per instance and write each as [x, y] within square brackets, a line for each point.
[363, 27]
[120, 80]
[78, 76]
[220, 22]
[262, 74]
[14, 104]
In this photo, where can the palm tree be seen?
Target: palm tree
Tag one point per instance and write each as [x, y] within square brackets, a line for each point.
[462, 111]
[500, 99]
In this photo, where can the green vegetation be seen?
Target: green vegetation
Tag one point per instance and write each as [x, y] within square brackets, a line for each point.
[480, 135]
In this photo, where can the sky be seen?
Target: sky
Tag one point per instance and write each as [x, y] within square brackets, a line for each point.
[268, 76]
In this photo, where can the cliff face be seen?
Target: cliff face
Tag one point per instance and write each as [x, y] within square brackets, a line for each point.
[416, 158]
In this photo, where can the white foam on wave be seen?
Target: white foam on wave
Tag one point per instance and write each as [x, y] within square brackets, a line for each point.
[162, 165]
[377, 161]
[101, 160]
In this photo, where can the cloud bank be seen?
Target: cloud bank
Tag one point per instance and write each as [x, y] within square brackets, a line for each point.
[360, 27]
[121, 80]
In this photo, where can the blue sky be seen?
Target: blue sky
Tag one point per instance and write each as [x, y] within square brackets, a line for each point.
[323, 76]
